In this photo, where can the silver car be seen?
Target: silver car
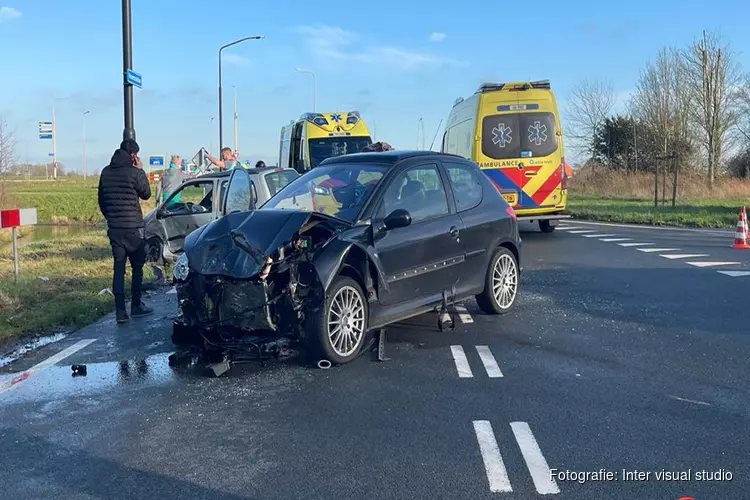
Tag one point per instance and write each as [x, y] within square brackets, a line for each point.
[193, 205]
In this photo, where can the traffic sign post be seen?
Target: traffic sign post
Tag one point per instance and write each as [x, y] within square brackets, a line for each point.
[133, 78]
[45, 130]
[13, 219]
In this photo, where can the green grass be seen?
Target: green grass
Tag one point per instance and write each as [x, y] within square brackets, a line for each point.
[706, 213]
[65, 201]
[59, 286]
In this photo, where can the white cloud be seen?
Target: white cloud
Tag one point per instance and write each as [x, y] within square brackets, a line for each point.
[437, 37]
[336, 43]
[235, 59]
[8, 13]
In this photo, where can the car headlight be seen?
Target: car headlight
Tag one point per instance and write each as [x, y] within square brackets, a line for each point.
[181, 268]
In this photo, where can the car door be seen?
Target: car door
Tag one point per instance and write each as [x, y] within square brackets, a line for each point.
[424, 258]
[188, 208]
[239, 197]
[466, 186]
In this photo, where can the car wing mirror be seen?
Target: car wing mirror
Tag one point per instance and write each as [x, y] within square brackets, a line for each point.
[161, 213]
[396, 219]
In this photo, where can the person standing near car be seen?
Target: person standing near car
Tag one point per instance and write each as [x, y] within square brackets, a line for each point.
[172, 179]
[227, 162]
[122, 184]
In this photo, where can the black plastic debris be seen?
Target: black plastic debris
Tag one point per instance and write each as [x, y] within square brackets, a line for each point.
[78, 370]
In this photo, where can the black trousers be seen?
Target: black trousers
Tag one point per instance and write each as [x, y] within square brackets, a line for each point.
[127, 244]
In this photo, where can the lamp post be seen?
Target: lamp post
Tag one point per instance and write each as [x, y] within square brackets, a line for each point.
[307, 71]
[236, 116]
[256, 37]
[84, 143]
[127, 63]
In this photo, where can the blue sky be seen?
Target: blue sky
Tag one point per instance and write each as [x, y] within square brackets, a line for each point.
[395, 62]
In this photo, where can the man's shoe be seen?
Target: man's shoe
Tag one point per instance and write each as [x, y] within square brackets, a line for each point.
[140, 310]
[122, 316]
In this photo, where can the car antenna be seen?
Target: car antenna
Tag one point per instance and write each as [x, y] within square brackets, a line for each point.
[436, 132]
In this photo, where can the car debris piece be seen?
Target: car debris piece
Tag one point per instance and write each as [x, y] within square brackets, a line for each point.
[324, 364]
[381, 346]
[78, 370]
[220, 368]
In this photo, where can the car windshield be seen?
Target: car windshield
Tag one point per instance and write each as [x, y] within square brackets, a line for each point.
[320, 149]
[338, 190]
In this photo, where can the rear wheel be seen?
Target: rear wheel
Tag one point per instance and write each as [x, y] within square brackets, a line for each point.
[546, 226]
[501, 283]
[337, 331]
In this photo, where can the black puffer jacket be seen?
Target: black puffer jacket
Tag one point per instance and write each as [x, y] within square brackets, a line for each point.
[120, 187]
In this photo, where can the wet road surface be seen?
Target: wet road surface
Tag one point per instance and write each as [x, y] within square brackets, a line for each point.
[616, 358]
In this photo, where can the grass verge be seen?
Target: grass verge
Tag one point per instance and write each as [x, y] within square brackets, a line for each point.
[59, 286]
[705, 213]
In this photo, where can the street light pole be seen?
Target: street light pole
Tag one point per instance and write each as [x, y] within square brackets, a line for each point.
[221, 129]
[307, 71]
[235, 117]
[84, 143]
[127, 63]
[54, 138]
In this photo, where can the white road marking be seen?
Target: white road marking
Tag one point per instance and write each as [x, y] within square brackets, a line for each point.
[634, 244]
[172, 290]
[735, 274]
[712, 264]
[464, 315]
[597, 235]
[535, 461]
[48, 362]
[649, 250]
[566, 228]
[462, 364]
[683, 255]
[497, 474]
[582, 231]
[489, 362]
[608, 240]
[702, 403]
[713, 232]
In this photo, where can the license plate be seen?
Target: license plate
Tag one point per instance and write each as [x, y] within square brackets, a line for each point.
[511, 198]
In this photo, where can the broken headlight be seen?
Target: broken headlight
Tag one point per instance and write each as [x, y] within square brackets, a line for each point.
[181, 268]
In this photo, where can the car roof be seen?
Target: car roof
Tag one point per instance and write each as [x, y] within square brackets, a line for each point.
[388, 157]
[251, 171]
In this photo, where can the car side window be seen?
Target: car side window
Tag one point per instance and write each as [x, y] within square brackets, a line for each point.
[467, 186]
[418, 190]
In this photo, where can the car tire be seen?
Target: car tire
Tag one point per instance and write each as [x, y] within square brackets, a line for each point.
[344, 296]
[155, 251]
[500, 283]
[546, 226]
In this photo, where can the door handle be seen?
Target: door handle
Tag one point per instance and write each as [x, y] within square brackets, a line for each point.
[454, 231]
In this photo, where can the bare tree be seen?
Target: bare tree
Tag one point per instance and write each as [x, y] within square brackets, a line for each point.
[7, 147]
[743, 123]
[715, 83]
[589, 105]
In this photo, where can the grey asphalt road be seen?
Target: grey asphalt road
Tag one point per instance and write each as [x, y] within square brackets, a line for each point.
[616, 358]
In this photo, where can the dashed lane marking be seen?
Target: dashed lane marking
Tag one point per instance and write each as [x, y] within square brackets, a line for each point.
[535, 461]
[567, 228]
[582, 231]
[735, 274]
[464, 315]
[634, 244]
[683, 255]
[650, 250]
[597, 235]
[46, 363]
[497, 474]
[712, 264]
[462, 364]
[609, 240]
[489, 362]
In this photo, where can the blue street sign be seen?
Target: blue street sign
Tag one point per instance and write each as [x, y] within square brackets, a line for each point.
[133, 78]
[45, 136]
[156, 161]
[51, 154]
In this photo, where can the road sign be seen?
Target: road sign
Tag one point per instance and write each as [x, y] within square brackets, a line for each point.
[156, 161]
[45, 136]
[51, 154]
[14, 219]
[133, 78]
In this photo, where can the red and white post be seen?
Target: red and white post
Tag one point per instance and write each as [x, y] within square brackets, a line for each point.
[14, 219]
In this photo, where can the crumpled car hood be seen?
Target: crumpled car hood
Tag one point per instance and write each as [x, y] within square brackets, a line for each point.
[212, 251]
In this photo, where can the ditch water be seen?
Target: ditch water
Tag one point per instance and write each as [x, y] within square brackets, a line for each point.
[45, 232]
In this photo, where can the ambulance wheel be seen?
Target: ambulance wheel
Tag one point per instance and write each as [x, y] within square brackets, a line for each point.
[546, 226]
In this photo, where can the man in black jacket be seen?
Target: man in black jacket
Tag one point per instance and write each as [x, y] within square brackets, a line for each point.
[121, 184]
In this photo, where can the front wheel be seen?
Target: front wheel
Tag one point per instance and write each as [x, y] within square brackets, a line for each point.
[337, 331]
[546, 226]
[500, 284]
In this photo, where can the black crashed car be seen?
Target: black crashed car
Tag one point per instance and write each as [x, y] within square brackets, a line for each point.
[361, 241]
